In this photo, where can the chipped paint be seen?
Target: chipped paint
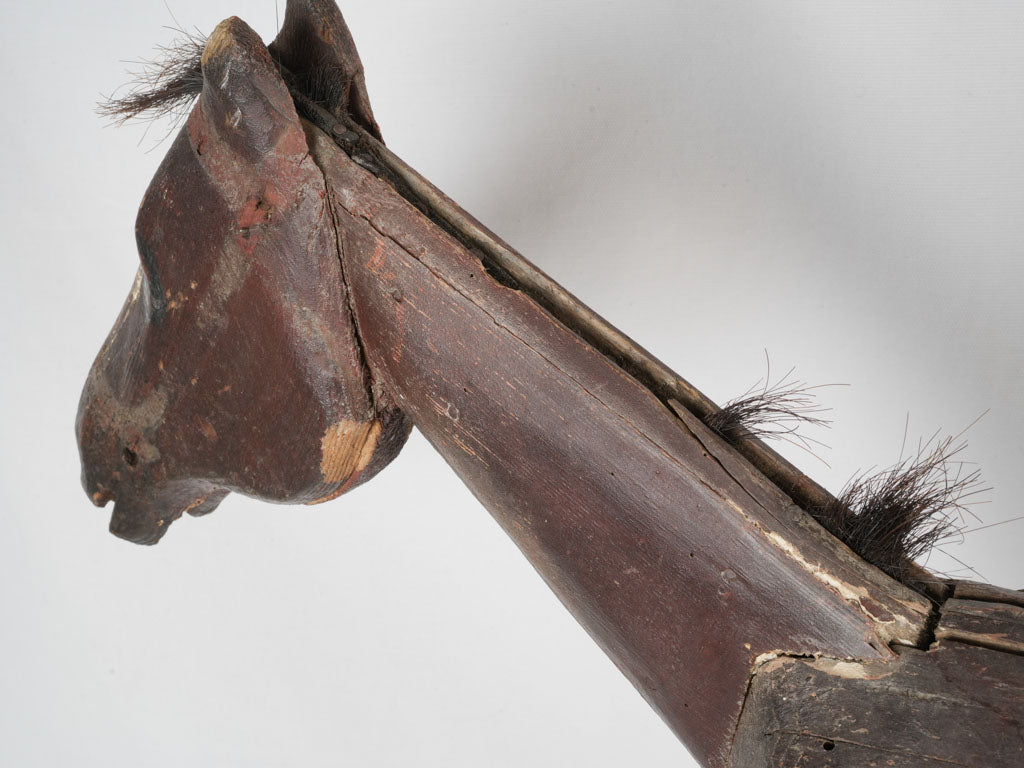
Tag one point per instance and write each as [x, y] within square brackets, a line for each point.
[764, 658]
[346, 448]
[133, 297]
[207, 428]
[193, 504]
[229, 275]
[849, 670]
[111, 414]
[895, 629]
[218, 42]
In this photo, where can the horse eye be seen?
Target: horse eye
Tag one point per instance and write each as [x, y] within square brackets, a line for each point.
[130, 457]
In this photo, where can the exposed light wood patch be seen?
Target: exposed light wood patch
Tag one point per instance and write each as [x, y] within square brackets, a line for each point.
[219, 40]
[346, 448]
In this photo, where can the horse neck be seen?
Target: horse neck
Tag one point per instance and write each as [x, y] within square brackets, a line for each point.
[682, 562]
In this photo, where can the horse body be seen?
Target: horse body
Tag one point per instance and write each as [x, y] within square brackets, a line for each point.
[297, 310]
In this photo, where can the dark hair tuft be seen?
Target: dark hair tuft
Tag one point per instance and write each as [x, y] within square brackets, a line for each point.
[166, 85]
[898, 515]
[771, 411]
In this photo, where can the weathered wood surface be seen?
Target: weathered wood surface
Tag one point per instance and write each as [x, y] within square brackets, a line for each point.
[956, 704]
[305, 296]
[681, 560]
[234, 361]
[563, 306]
[990, 624]
[972, 590]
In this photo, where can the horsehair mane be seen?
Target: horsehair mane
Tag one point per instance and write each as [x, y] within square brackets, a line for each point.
[891, 518]
[166, 85]
[280, 235]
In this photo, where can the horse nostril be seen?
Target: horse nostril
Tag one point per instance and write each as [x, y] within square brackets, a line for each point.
[131, 458]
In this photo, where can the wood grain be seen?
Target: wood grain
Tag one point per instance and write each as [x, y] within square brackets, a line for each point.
[680, 559]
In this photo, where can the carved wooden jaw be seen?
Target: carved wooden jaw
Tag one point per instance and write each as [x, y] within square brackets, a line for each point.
[235, 364]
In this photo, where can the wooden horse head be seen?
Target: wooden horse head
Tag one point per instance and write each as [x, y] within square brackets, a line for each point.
[298, 282]
[234, 364]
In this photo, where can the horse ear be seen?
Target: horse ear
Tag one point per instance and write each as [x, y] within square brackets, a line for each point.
[244, 97]
[314, 43]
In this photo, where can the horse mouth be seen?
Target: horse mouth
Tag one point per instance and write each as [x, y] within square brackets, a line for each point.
[139, 526]
[145, 519]
[136, 520]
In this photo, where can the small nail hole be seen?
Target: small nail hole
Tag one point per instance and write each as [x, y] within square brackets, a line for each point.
[828, 746]
[131, 458]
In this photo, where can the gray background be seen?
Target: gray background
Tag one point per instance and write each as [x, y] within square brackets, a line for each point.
[838, 183]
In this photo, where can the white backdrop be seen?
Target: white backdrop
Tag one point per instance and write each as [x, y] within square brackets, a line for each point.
[838, 183]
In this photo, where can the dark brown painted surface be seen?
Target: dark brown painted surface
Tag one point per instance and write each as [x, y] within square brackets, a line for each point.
[679, 559]
[972, 590]
[315, 45]
[957, 704]
[234, 365]
[295, 312]
[992, 624]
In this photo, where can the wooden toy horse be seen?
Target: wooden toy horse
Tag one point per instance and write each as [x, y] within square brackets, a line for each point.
[304, 298]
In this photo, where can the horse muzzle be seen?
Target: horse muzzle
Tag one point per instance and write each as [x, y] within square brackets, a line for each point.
[142, 516]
